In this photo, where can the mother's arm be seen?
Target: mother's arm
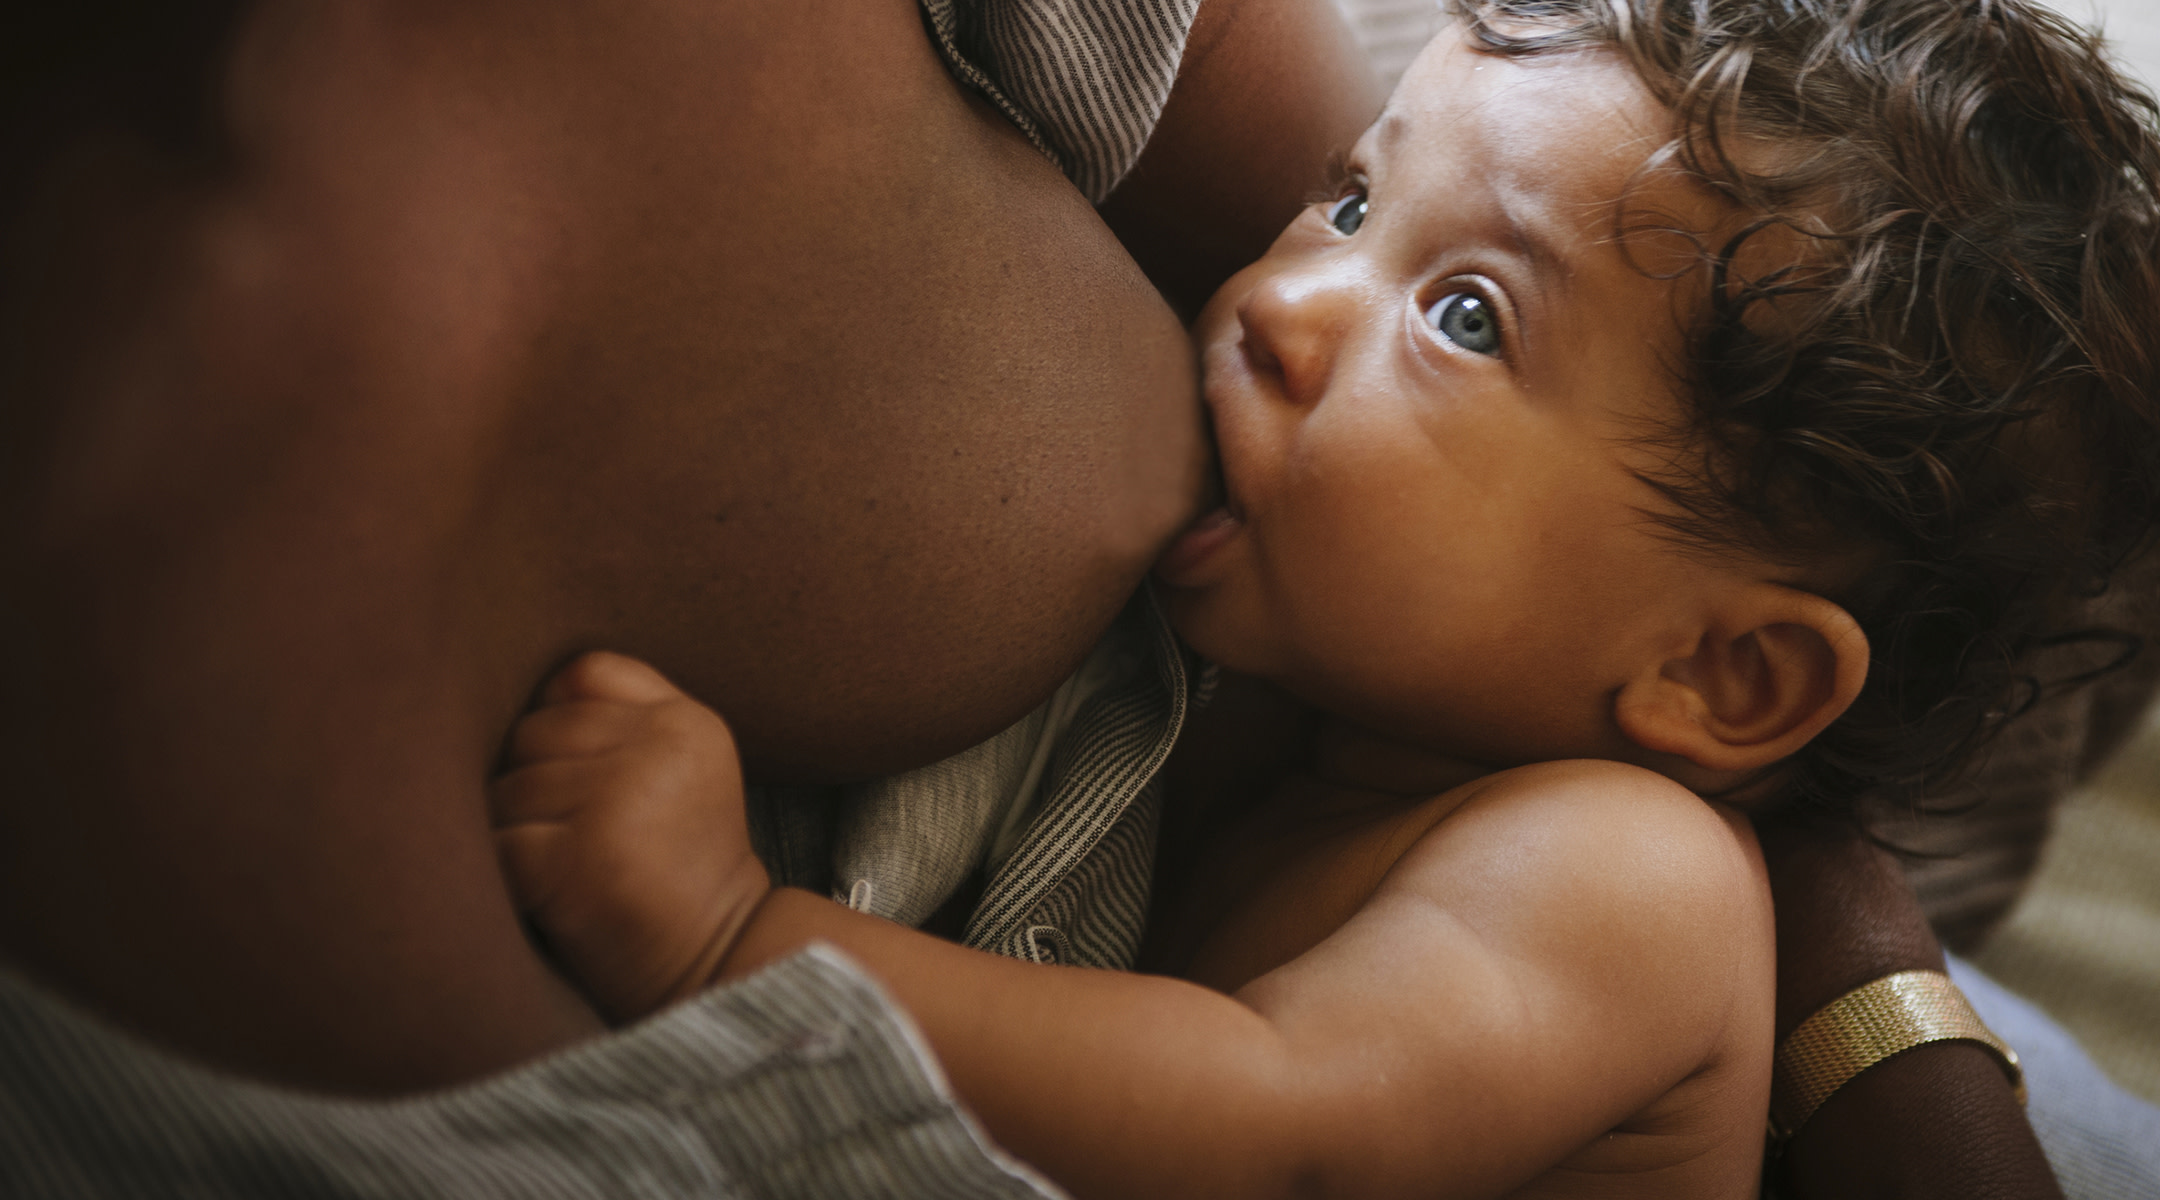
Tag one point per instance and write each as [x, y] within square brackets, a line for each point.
[1939, 1120]
[1269, 93]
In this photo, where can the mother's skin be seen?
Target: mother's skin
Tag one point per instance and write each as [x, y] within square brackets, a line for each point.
[731, 335]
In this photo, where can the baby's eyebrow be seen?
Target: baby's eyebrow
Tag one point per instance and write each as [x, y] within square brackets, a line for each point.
[1527, 238]
[1388, 130]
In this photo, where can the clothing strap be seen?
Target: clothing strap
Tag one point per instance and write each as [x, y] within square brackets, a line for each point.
[1865, 1026]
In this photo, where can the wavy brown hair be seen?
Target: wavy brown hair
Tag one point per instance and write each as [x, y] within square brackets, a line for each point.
[1956, 378]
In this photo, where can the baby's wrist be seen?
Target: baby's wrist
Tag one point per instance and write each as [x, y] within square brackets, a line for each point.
[696, 961]
[747, 891]
[784, 921]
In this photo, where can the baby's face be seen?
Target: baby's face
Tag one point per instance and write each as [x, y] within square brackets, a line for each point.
[1425, 396]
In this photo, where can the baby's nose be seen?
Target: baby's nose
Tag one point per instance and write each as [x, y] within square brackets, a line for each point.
[1294, 324]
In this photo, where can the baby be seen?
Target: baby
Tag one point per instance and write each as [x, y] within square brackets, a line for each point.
[1650, 366]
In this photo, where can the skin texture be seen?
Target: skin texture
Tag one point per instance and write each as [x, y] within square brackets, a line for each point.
[503, 336]
[1322, 927]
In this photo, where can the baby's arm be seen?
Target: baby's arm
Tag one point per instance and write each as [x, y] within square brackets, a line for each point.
[1546, 961]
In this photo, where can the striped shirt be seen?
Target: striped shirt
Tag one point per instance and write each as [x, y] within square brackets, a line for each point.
[803, 1081]
[1085, 80]
[1074, 887]
[800, 1083]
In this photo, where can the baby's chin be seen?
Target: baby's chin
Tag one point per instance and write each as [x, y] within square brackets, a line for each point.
[1209, 622]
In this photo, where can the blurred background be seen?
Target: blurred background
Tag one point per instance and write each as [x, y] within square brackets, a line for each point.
[2084, 940]
[2078, 933]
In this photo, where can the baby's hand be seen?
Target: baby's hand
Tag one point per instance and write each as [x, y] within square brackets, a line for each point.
[621, 829]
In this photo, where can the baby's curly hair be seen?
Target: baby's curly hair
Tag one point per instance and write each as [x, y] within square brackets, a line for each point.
[1957, 380]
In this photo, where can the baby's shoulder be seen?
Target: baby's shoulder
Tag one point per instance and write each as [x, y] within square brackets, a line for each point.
[1607, 812]
[1633, 906]
[1571, 840]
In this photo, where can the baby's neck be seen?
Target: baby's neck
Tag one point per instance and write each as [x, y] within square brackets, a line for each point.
[1351, 756]
[1348, 755]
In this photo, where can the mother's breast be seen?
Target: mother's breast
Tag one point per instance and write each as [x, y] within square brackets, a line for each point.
[902, 421]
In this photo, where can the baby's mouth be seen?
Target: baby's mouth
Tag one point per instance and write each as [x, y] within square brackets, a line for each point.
[1218, 521]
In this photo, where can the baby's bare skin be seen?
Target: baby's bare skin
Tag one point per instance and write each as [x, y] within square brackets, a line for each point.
[1297, 868]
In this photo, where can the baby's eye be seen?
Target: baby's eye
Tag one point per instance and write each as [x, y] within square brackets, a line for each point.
[1466, 320]
[1347, 213]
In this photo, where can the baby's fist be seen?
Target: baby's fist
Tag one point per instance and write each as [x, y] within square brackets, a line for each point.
[620, 825]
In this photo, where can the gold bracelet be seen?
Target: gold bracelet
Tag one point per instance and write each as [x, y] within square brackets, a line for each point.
[1864, 1027]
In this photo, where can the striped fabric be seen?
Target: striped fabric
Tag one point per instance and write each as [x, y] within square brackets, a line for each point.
[801, 1083]
[1085, 80]
[1075, 890]
[905, 844]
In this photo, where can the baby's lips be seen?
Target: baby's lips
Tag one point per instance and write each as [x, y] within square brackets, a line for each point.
[1180, 565]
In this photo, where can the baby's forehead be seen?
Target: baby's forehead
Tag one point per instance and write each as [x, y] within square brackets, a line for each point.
[1556, 144]
[1570, 157]
[1522, 110]
[1561, 180]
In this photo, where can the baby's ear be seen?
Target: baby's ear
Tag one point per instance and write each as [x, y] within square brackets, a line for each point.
[1773, 667]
